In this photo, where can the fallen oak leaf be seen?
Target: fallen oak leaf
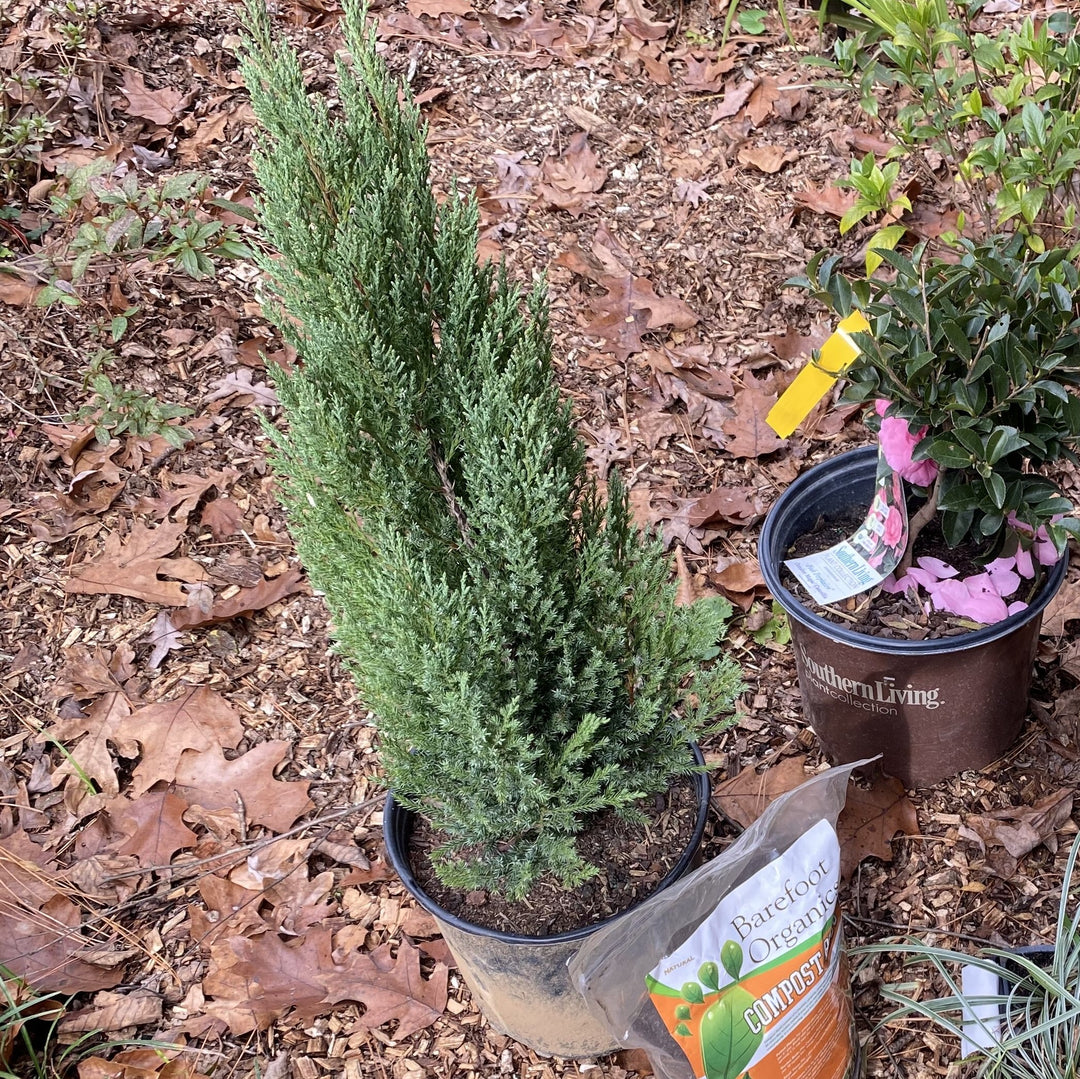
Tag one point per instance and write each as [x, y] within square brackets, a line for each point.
[222, 516]
[827, 200]
[253, 981]
[1031, 825]
[91, 756]
[762, 100]
[732, 505]
[165, 637]
[745, 796]
[572, 176]
[629, 308]
[41, 937]
[205, 778]
[871, 817]
[736, 95]
[152, 827]
[158, 106]
[244, 602]
[134, 567]
[113, 1011]
[768, 158]
[198, 720]
[704, 76]
[738, 580]
[16, 292]
[181, 493]
[749, 435]
[239, 383]
[389, 988]
[686, 593]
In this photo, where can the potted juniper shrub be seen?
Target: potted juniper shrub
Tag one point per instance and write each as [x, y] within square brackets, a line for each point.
[535, 687]
[967, 370]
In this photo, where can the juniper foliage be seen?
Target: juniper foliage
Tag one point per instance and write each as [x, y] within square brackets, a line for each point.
[515, 635]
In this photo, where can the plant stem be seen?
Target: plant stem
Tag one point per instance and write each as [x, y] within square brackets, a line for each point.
[922, 518]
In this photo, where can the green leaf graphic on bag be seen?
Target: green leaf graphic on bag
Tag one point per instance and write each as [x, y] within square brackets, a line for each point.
[691, 991]
[731, 957]
[709, 975]
[727, 1042]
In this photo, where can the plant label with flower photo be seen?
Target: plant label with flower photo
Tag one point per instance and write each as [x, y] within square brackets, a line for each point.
[761, 986]
[867, 557]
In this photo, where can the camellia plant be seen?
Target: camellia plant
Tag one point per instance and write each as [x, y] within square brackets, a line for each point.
[970, 366]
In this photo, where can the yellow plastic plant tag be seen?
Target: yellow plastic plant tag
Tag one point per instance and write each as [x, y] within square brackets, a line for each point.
[817, 377]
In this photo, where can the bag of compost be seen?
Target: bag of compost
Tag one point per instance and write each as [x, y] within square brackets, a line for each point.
[738, 970]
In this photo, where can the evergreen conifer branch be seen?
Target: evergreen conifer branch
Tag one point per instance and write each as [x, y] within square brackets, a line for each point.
[515, 635]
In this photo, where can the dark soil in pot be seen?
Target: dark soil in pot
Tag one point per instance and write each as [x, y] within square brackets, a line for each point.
[632, 860]
[878, 613]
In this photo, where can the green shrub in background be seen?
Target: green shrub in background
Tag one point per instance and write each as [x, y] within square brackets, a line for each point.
[1000, 109]
[516, 636]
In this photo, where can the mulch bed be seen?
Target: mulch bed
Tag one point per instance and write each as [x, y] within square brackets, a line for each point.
[684, 209]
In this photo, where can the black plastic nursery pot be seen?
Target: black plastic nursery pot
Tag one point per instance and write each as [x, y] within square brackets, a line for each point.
[521, 983]
[931, 708]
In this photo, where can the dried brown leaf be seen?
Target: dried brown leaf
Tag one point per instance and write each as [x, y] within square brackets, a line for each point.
[748, 433]
[763, 100]
[570, 178]
[255, 980]
[872, 816]
[629, 308]
[686, 592]
[204, 777]
[1020, 829]
[769, 158]
[158, 106]
[744, 797]
[706, 76]
[826, 200]
[198, 720]
[732, 505]
[390, 988]
[135, 566]
[244, 602]
[736, 95]
[153, 825]
[113, 1011]
[1064, 607]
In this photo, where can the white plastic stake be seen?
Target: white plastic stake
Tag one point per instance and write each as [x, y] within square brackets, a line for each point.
[982, 1022]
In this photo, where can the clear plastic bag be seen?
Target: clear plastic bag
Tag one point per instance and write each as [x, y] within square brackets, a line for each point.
[738, 967]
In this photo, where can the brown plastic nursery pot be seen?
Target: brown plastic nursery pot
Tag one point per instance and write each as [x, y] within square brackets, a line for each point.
[931, 708]
[519, 982]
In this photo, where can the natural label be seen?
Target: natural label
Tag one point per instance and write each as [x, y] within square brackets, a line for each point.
[881, 696]
[761, 985]
[866, 558]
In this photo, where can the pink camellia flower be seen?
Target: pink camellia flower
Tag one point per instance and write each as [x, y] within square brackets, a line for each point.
[897, 442]
[936, 567]
[968, 600]
[1044, 548]
[1042, 545]
[894, 527]
[1003, 573]
[1024, 565]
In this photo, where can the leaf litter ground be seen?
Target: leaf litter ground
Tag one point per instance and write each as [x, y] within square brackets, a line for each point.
[189, 830]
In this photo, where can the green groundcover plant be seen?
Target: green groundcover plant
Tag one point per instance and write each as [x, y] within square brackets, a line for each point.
[972, 364]
[515, 635]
